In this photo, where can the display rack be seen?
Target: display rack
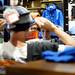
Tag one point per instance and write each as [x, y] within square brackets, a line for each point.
[35, 8]
[50, 1]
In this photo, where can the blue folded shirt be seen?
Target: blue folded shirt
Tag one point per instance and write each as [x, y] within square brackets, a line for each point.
[68, 55]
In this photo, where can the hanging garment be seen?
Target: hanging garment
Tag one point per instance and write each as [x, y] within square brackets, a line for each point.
[54, 15]
[1, 2]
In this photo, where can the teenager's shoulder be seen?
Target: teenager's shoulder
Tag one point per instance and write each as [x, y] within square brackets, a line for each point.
[5, 44]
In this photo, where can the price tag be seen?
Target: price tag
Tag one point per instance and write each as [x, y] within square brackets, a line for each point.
[11, 18]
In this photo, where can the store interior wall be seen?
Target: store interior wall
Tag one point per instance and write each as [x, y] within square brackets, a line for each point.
[37, 3]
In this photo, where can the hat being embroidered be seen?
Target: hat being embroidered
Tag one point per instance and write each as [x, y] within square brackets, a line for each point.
[11, 15]
[19, 17]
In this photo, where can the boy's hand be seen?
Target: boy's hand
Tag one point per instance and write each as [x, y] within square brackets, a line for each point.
[44, 23]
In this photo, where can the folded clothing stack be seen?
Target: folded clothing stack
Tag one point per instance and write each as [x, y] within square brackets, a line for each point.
[68, 55]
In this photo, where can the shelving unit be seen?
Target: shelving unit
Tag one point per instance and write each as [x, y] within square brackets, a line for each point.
[35, 8]
[58, 2]
[44, 3]
[50, 1]
[65, 2]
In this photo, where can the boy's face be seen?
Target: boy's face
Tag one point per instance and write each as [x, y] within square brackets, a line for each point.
[22, 35]
[26, 35]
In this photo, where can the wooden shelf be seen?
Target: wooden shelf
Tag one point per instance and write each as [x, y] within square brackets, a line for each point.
[35, 8]
[50, 1]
